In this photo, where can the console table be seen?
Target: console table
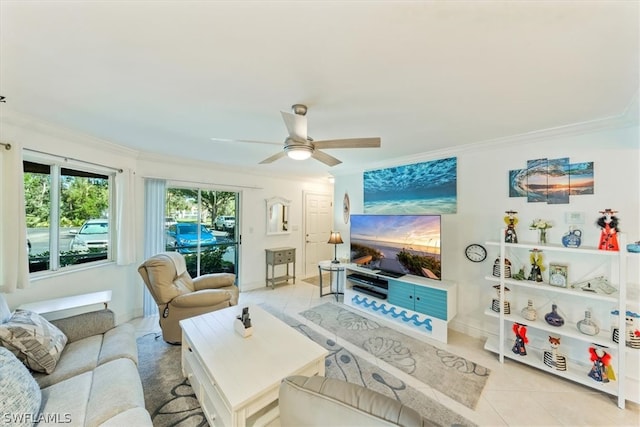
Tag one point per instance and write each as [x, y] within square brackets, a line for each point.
[280, 256]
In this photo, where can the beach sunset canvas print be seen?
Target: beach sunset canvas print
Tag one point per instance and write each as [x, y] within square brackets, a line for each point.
[551, 180]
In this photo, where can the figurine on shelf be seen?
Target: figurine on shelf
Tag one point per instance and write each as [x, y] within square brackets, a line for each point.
[553, 358]
[632, 332]
[521, 339]
[510, 235]
[495, 303]
[601, 371]
[608, 223]
[507, 268]
[537, 267]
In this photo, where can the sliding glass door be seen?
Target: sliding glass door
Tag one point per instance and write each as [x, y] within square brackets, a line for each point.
[202, 225]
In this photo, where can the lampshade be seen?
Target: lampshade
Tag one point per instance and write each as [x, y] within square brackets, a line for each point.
[335, 238]
[300, 152]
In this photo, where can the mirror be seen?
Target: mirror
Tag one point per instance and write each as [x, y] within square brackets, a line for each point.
[278, 215]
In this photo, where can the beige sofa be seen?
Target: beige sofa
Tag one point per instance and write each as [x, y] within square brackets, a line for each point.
[94, 383]
[320, 401]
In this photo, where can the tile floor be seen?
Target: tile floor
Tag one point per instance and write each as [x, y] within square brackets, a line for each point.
[515, 394]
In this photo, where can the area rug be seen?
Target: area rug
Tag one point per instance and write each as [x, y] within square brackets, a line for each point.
[452, 375]
[315, 280]
[171, 401]
[168, 396]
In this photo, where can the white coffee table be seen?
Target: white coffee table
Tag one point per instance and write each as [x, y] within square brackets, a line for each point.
[235, 377]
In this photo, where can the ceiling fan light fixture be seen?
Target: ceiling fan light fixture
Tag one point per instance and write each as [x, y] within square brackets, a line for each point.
[299, 152]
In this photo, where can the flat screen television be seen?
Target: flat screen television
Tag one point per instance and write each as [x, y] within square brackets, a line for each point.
[395, 245]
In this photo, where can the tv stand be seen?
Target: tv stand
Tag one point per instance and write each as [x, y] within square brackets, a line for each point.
[412, 302]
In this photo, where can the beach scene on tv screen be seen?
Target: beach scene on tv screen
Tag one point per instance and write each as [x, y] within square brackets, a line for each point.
[407, 244]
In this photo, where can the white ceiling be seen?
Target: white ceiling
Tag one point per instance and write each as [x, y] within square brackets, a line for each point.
[166, 76]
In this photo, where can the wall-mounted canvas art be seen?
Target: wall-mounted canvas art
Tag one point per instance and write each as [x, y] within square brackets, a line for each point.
[551, 180]
[581, 178]
[420, 188]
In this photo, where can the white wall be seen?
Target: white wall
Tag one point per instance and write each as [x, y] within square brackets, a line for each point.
[125, 282]
[483, 199]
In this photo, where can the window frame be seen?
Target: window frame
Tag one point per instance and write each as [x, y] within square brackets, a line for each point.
[56, 165]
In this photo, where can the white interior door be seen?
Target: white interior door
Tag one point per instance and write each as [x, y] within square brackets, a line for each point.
[318, 223]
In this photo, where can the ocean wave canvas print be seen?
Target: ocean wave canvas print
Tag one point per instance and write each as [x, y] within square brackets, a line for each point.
[420, 188]
[551, 180]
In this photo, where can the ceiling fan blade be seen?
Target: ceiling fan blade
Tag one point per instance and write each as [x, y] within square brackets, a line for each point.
[273, 158]
[325, 158]
[348, 143]
[296, 125]
[246, 140]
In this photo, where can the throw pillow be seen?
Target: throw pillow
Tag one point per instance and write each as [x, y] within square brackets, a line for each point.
[20, 395]
[35, 341]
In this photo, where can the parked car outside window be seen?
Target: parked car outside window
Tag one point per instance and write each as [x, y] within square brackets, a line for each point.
[94, 234]
[225, 222]
[183, 237]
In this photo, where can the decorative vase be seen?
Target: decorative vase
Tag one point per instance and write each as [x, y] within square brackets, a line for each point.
[572, 239]
[529, 312]
[542, 236]
[588, 326]
[553, 318]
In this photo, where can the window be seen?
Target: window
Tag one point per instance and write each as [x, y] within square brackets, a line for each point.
[67, 215]
[202, 227]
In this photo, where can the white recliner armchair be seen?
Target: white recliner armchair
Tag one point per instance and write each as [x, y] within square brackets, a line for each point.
[178, 296]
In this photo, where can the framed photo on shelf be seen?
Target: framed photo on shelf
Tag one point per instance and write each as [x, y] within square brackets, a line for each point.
[558, 275]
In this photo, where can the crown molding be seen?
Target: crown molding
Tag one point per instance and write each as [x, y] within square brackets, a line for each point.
[626, 119]
[35, 124]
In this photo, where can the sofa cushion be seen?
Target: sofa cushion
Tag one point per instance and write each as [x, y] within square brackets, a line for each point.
[119, 342]
[321, 401]
[5, 313]
[77, 357]
[19, 393]
[35, 341]
[68, 399]
[130, 417]
[86, 324]
[118, 383]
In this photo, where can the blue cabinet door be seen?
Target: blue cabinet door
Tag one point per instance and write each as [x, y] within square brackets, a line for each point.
[401, 294]
[432, 302]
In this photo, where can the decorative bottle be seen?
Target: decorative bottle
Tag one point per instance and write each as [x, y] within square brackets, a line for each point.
[529, 312]
[588, 326]
[553, 318]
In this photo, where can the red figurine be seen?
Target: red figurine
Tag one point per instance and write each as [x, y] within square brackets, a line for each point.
[521, 339]
[608, 223]
[601, 371]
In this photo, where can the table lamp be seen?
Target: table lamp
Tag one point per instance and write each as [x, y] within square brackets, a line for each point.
[335, 239]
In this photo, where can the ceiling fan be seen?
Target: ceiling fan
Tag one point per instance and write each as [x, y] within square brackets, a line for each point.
[299, 146]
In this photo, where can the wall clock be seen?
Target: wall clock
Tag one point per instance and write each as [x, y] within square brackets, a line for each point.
[346, 208]
[475, 252]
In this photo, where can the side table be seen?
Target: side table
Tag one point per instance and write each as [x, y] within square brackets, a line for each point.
[336, 273]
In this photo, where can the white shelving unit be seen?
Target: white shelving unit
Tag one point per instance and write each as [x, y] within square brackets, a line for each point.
[575, 301]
